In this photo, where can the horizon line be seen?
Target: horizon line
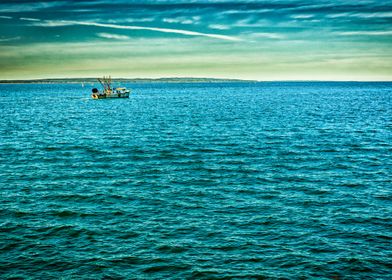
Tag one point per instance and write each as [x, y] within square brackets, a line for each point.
[77, 80]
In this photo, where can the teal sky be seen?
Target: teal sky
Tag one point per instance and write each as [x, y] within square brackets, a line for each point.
[262, 40]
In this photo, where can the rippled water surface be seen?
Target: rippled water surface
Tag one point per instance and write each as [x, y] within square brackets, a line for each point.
[204, 181]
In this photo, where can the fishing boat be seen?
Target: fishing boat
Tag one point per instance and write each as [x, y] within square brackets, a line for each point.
[108, 91]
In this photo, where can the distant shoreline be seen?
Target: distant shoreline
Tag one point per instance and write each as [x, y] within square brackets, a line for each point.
[167, 80]
[124, 80]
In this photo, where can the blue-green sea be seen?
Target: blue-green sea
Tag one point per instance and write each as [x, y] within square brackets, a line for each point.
[273, 180]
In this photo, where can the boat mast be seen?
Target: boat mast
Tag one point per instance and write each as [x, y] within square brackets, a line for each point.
[109, 81]
[102, 84]
[106, 83]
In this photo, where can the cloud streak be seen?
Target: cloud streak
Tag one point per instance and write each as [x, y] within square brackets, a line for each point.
[183, 20]
[366, 33]
[54, 23]
[29, 19]
[33, 6]
[10, 39]
[361, 15]
[267, 35]
[219, 26]
[113, 36]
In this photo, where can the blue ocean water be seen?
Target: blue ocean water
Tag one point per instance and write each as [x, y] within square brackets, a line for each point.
[201, 181]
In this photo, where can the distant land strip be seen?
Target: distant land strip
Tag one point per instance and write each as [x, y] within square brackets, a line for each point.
[169, 80]
[126, 80]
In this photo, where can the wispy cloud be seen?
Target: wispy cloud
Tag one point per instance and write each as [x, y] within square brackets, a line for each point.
[267, 35]
[361, 15]
[175, 20]
[338, 15]
[249, 11]
[113, 36]
[304, 16]
[366, 33]
[249, 22]
[183, 20]
[374, 15]
[29, 19]
[29, 7]
[55, 23]
[10, 39]
[131, 20]
[219, 26]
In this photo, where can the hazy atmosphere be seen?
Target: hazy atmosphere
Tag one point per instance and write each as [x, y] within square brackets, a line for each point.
[262, 40]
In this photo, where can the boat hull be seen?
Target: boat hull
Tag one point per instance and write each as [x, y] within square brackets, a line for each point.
[110, 96]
